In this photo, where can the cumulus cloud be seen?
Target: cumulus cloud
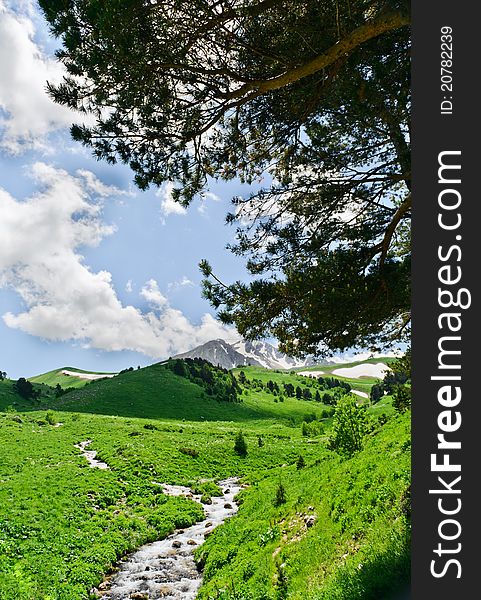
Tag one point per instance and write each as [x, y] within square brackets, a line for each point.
[64, 300]
[99, 188]
[27, 113]
[153, 295]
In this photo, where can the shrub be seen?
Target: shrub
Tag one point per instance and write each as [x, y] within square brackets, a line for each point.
[301, 463]
[281, 497]
[270, 535]
[281, 583]
[50, 418]
[382, 419]
[401, 397]
[312, 429]
[260, 441]
[240, 445]
[377, 392]
[189, 452]
[206, 488]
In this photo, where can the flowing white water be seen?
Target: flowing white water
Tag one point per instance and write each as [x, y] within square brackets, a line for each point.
[90, 455]
[166, 569]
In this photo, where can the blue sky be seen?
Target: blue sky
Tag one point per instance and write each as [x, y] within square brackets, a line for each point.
[93, 272]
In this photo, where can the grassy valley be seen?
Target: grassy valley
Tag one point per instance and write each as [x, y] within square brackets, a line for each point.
[338, 529]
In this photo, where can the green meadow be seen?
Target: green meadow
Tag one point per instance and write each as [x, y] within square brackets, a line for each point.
[340, 532]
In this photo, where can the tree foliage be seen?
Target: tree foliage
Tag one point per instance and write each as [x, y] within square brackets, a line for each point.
[301, 463]
[377, 392]
[217, 382]
[312, 98]
[240, 444]
[396, 382]
[401, 397]
[25, 388]
[349, 426]
[400, 384]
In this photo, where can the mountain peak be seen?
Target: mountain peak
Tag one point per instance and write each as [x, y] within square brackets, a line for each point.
[242, 353]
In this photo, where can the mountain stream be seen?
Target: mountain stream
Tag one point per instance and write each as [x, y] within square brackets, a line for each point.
[166, 569]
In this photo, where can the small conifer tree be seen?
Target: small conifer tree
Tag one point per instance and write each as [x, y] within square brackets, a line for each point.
[240, 444]
[281, 497]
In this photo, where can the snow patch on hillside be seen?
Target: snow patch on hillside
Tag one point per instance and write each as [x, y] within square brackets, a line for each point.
[377, 370]
[89, 376]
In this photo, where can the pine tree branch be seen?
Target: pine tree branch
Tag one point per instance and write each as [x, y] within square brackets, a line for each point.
[372, 29]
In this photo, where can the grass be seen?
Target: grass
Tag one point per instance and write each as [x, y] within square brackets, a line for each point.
[359, 524]
[64, 525]
[53, 377]
[362, 384]
[156, 392]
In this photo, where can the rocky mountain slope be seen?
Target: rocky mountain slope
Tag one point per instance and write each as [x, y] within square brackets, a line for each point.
[242, 353]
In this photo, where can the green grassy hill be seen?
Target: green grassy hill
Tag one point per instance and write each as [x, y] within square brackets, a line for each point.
[11, 400]
[155, 392]
[362, 384]
[53, 377]
[8, 396]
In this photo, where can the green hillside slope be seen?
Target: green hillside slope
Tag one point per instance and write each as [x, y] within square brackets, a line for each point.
[155, 392]
[11, 400]
[8, 396]
[52, 378]
[343, 532]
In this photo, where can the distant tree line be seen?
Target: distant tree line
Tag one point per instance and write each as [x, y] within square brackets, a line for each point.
[125, 370]
[60, 391]
[336, 388]
[219, 383]
[397, 383]
[24, 388]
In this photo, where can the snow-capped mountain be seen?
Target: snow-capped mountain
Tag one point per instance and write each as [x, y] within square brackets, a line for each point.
[241, 353]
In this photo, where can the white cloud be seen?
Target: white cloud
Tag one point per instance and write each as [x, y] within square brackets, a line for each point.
[129, 287]
[153, 295]
[27, 113]
[202, 208]
[64, 300]
[97, 187]
[168, 206]
[182, 283]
